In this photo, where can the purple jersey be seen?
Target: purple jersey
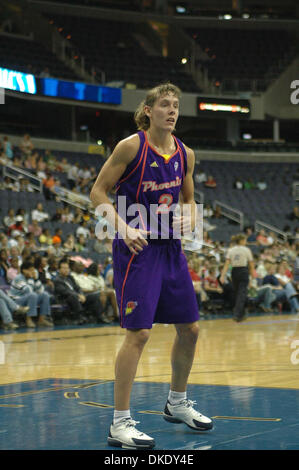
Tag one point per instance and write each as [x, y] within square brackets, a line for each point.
[154, 182]
[154, 286]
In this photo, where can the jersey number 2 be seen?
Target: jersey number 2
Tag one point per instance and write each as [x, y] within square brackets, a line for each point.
[165, 202]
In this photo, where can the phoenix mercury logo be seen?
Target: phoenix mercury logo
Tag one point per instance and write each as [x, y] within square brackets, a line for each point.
[153, 186]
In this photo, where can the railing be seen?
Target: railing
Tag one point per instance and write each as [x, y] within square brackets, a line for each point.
[230, 213]
[295, 190]
[65, 195]
[269, 228]
[16, 174]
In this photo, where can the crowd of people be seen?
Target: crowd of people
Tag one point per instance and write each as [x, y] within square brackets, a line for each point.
[42, 266]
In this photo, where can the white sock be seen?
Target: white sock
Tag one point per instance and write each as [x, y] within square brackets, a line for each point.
[176, 397]
[119, 415]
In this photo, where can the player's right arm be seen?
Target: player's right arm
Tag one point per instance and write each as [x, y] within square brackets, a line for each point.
[111, 172]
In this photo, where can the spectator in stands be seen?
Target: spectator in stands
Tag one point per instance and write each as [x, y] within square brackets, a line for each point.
[67, 216]
[94, 274]
[31, 243]
[26, 145]
[45, 239]
[81, 245]
[251, 236]
[89, 288]
[27, 290]
[262, 239]
[262, 296]
[17, 227]
[72, 175]
[21, 211]
[39, 214]
[48, 184]
[284, 291]
[68, 291]
[25, 186]
[57, 216]
[83, 230]
[10, 185]
[238, 184]
[211, 285]
[14, 252]
[294, 214]
[3, 241]
[69, 244]
[7, 308]
[35, 228]
[200, 177]
[14, 269]
[57, 237]
[78, 216]
[41, 265]
[9, 219]
[261, 184]
[208, 211]
[7, 148]
[4, 265]
[211, 182]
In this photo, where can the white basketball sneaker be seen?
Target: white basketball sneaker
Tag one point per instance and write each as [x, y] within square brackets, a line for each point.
[183, 412]
[125, 435]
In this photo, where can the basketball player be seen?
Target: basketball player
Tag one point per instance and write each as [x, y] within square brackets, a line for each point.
[152, 280]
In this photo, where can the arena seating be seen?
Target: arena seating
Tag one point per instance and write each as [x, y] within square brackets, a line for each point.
[110, 46]
[246, 55]
[30, 56]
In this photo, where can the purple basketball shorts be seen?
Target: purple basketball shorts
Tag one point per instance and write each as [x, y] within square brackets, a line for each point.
[154, 286]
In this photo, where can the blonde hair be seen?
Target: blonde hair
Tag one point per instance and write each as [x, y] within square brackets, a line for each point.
[238, 238]
[141, 119]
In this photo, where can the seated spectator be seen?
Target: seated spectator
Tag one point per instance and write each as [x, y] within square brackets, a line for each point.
[48, 184]
[208, 211]
[21, 211]
[10, 184]
[294, 214]
[200, 177]
[83, 230]
[57, 216]
[27, 290]
[68, 292]
[238, 184]
[9, 219]
[45, 238]
[262, 296]
[4, 265]
[14, 269]
[98, 282]
[31, 243]
[211, 285]
[26, 145]
[39, 214]
[57, 237]
[210, 183]
[81, 244]
[25, 186]
[72, 175]
[262, 239]
[7, 308]
[78, 216]
[41, 265]
[261, 185]
[67, 216]
[69, 244]
[283, 290]
[17, 228]
[249, 184]
[35, 228]
[251, 236]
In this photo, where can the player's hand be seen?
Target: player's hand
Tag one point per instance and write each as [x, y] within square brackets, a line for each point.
[135, 239]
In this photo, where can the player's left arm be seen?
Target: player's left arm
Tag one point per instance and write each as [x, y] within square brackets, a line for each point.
[187, 189]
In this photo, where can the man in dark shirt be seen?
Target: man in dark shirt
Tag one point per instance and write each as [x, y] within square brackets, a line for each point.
[68, 291]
